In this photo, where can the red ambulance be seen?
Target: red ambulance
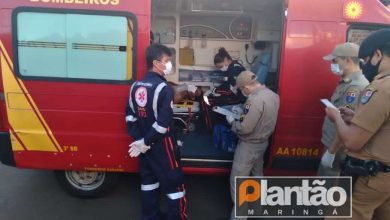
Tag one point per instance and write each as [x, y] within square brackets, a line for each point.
[67, 66]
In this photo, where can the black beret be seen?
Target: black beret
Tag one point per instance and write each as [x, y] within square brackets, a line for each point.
[374, 41]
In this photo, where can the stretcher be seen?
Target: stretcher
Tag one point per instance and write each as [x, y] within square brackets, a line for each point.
[185, 112]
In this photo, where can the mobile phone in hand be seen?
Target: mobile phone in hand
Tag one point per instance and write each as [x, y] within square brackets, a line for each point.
[327, 103]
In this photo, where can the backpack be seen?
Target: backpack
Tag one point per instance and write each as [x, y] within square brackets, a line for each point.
[224, 138]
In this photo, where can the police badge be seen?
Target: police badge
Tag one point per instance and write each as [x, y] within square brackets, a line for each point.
[367, 94]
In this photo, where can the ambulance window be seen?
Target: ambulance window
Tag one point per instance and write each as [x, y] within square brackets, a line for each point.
[42, 44]
[75, 46]
[356, 34]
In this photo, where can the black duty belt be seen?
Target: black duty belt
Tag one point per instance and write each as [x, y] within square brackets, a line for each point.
[353, 166]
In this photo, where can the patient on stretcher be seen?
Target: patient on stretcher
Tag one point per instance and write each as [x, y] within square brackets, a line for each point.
[192, 113]
[184, 92]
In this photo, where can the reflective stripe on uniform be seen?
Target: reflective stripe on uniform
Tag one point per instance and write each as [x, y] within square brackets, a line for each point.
[130, 118]
[159, 128]
[178, 195]
[130, 101]
[156, 95]
[150, 187]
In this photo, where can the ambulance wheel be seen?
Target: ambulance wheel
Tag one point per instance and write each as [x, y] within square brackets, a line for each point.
[86, 184]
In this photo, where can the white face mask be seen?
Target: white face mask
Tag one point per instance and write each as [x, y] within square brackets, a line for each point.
[168, 68]
[335, 68]
[224, 68]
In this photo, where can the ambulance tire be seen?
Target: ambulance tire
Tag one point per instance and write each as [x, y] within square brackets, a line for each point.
[84, 184]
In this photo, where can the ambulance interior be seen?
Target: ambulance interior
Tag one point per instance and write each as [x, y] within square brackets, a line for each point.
[195, 30]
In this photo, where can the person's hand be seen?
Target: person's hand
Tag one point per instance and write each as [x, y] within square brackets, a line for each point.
[328, 159]
[332, 113]
[234, 89]
[229, 119]
[346, 114]
[138, 147]
[134, 152]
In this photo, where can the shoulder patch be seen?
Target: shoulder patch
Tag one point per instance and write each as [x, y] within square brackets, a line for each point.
[141, 96]
[246, 109]
[368, 92]
[351, 95]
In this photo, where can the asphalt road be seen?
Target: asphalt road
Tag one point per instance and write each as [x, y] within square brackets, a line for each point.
[35, 195]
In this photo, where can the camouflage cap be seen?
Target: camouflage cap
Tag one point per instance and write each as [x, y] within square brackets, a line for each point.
[343, 50]
[245, 78]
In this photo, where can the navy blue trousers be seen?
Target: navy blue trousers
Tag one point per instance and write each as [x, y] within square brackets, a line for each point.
[160, 171]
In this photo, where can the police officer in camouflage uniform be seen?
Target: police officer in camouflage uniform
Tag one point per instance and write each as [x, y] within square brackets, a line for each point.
[366, 133]
[256, 125]
[345, 64]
